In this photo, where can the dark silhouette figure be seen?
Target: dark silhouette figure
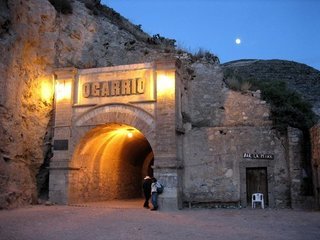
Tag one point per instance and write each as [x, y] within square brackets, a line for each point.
[146, 186]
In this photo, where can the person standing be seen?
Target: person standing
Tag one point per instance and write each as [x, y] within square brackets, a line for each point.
[146, 186]
[154, 194]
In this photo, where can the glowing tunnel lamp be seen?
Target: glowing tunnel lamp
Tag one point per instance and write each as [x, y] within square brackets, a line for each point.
[130, 132]
[46, 90]
[63, 91]
[165, 84]
[124, 132]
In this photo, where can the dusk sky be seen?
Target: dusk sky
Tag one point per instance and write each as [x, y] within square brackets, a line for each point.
[267, 29]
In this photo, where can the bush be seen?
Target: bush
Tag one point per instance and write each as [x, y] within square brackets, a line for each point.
[245, 86]
[93, 6]
[62, 6]
[233, 83]
[205, 55]
[287, 107]
[238, 84]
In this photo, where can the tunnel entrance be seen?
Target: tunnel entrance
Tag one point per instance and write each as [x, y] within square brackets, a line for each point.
[113, 159]
[109, 125]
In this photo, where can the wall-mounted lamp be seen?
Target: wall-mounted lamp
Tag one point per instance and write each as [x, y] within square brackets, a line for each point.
[46, 88]
[165, 84]
[63, 90]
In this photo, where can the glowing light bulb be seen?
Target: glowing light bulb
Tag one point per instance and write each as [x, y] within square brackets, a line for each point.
[165, 84]
[63, 91]
[130, 134]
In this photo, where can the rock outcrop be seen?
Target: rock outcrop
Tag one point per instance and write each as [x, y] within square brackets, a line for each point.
[34, 40]
[299, 77]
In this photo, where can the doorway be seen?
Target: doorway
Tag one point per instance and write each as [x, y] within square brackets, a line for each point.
[112, 159]
[257, 182]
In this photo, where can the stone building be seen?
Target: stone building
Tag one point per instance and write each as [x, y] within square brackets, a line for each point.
[206, 144]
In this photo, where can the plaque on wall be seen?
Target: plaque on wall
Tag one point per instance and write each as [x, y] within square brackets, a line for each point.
[122, 84]
[60, 144]
[258, 156]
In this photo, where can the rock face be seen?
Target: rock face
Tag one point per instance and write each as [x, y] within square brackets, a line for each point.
[35, 39]
[299, 77]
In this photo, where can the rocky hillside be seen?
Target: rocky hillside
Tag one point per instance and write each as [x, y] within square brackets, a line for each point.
[299, 77]
[37, 36]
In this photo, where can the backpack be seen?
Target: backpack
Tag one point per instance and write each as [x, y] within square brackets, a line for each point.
[160, 188]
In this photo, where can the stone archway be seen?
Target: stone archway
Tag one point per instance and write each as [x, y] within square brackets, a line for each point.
[140, 96]
[109, 163]
[116, 113]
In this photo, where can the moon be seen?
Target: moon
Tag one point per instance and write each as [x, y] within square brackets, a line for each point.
[238, 41]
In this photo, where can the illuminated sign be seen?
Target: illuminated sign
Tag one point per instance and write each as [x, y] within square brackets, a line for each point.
[120, 84]
[113, 88]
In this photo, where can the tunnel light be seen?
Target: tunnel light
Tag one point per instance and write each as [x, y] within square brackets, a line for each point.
[130, 133]
[46, 90]
[165, 84]
[63, 91]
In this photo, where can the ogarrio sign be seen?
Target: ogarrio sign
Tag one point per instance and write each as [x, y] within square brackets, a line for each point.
[113, 88]
[120, 84]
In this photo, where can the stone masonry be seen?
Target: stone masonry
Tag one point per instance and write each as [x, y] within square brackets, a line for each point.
[315, 141]
[154, 117]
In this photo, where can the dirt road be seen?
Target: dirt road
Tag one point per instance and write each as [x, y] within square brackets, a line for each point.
[128, 220]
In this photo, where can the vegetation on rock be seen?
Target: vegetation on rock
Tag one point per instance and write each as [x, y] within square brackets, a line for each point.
[62, 6]
[288, 108]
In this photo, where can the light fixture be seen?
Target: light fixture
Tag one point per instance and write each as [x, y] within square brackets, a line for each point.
[129, 133]
[46, 88]
[165, 84]
[63, 90]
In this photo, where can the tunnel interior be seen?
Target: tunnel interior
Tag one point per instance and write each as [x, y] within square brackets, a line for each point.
[113, 160]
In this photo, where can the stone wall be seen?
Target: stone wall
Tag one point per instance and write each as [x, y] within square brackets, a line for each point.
[219, 126]
[214, 156]
[206, 101]
[315, 144]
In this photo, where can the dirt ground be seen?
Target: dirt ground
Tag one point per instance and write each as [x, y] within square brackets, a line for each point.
[128, 220]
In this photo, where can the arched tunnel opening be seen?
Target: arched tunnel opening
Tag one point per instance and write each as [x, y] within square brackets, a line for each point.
[113, 160]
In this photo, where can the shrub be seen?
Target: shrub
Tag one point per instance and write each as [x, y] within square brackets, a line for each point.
[238, 84]
[233, 83]
[93, 6]
[205, 55]
[245, 86]
[287, 107]
[62, 6]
